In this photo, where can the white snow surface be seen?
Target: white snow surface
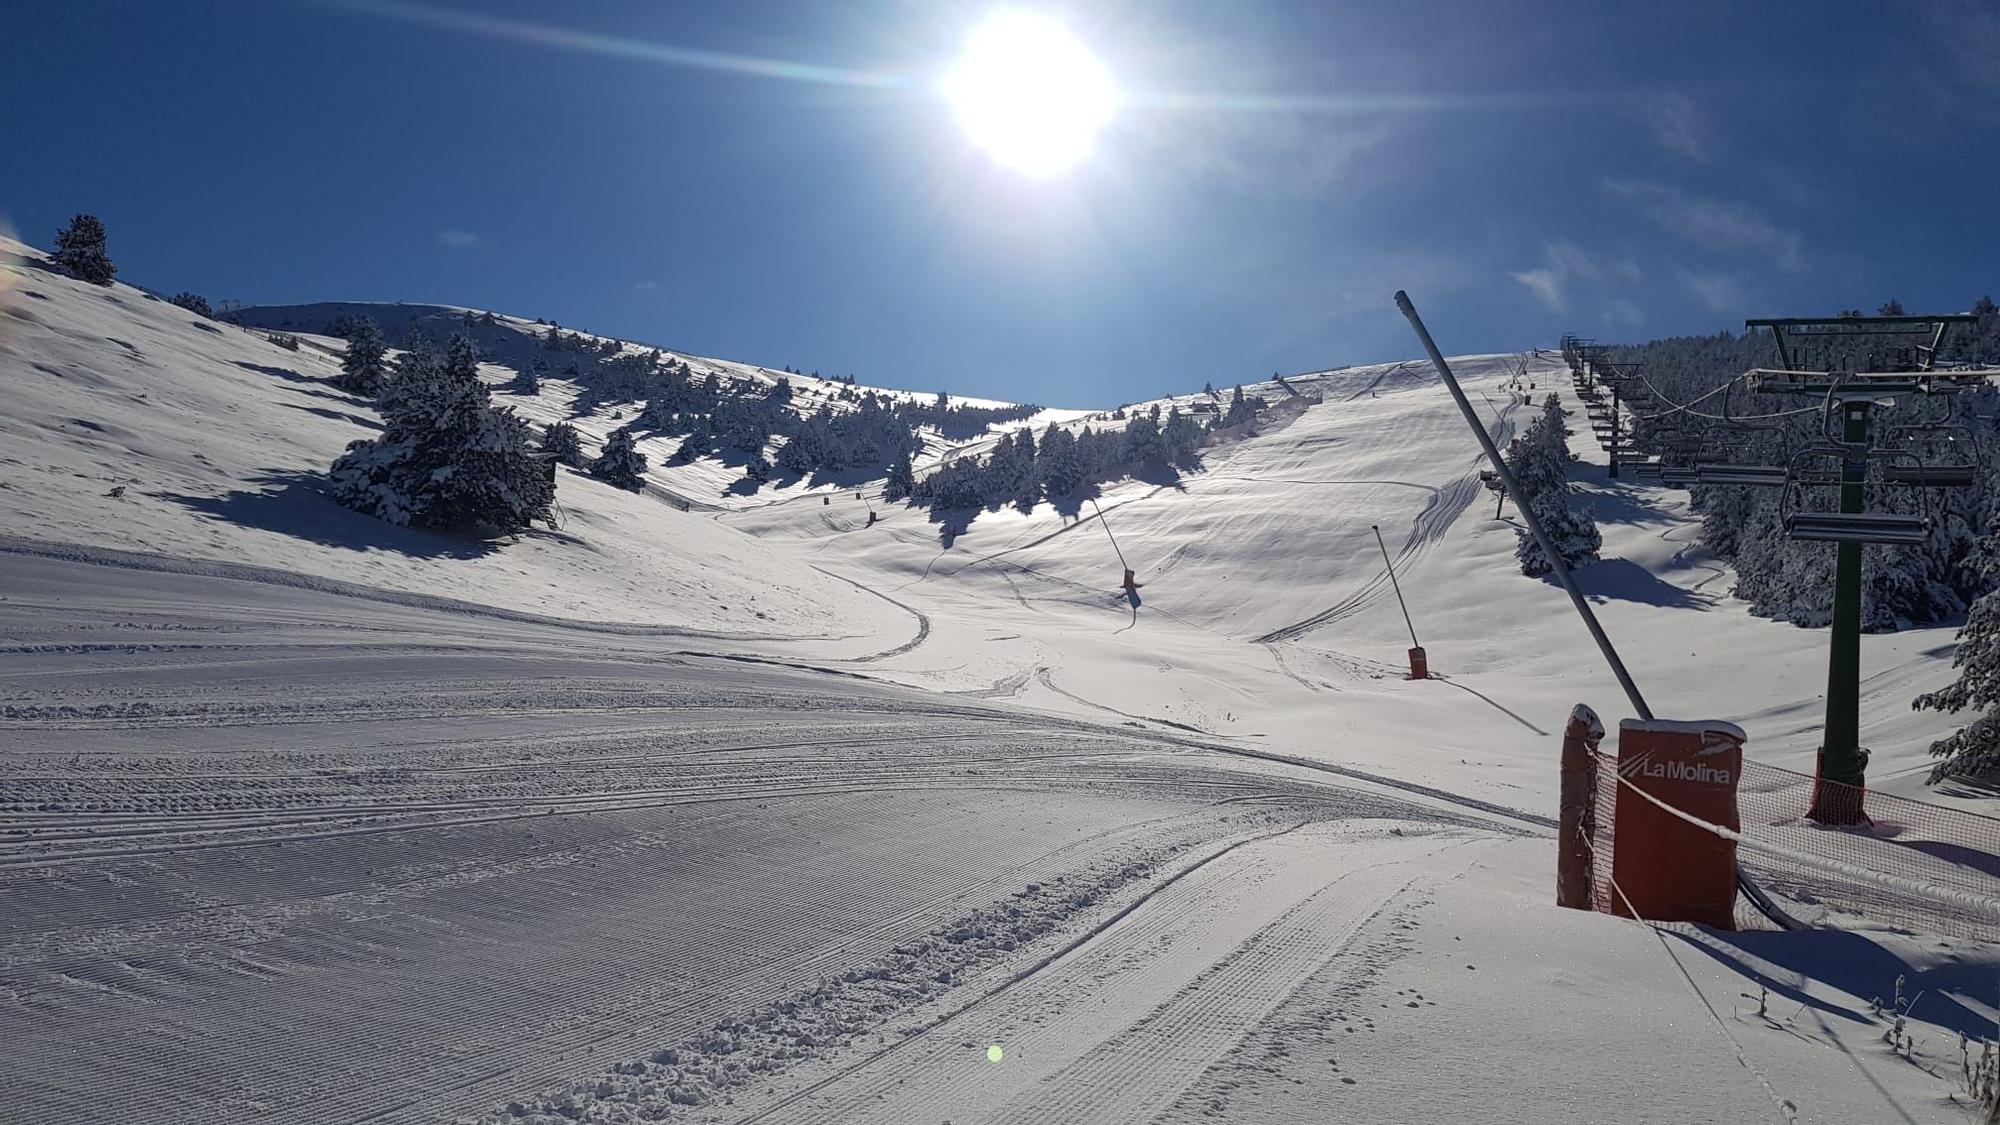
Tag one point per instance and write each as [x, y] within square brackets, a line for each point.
[753, 812]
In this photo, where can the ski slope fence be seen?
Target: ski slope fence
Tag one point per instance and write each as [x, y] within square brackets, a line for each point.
[1912, 865]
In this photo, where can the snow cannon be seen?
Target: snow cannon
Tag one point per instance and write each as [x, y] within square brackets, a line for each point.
[1420, 668]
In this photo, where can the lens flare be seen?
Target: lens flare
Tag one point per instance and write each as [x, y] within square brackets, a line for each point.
[1029, 93]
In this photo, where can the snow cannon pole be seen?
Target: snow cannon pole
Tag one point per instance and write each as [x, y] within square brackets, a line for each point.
[1106, 524]
[1419, 666]
[1513, 488]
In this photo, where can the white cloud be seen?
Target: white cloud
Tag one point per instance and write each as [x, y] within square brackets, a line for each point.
[1679, 126]
[646, 286]
[1719, 291]
[1715, 225]
[1543, 284]
[1968, 32]
[1287, 154]
[1621, 313]
[1561, 261]
[458, 239]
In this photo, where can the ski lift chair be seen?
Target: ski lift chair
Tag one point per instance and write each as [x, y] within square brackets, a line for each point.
[1843, 527]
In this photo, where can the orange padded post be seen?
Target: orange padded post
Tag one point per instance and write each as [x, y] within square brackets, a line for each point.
[1578, 818]
[1667, 868]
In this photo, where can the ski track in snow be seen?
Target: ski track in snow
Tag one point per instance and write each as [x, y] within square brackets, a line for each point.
[1427, 528]
[1174, 984]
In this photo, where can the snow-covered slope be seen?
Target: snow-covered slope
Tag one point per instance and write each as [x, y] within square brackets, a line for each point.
[1265, 613]
[818, 820]
[129, 423]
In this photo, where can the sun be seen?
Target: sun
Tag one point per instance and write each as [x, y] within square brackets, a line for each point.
[1029, 93]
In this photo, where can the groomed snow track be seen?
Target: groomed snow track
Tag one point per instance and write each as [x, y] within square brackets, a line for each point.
[273, 853]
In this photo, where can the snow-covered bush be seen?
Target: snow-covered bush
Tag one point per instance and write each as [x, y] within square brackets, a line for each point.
[561, 441]
[447, 457]
[193, 302]
[364, 367]
[81, 251]
[620, 464]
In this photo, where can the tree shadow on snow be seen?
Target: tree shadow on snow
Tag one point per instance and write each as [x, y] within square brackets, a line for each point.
[952, 523]
[1626, 581]
[306, 384]
[294, 505]
[1616, 505]
[335, 415]
[1974, 787]
[1856, 965]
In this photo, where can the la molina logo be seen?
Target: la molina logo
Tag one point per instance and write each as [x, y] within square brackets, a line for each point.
[1700, 773]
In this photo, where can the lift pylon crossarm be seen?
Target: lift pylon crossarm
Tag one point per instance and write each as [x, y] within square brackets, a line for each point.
[1935, 325]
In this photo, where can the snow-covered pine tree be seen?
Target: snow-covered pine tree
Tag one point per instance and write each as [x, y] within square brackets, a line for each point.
[194, 303]
[528, 380]
[902, 479]
[1974, 750]
[82, 253]
[1240, 411]
[364, 366]
[1028, 474]
[1059, 467]
[620, 465]
[1540, 464]
[1181, 438]
[562, 441]
[1142, 440]
[447, 458]
[1575, 534]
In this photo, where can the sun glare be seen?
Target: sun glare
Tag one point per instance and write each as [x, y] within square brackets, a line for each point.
[1029, 94]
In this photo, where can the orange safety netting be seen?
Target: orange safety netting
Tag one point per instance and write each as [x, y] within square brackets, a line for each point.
[1910, 865]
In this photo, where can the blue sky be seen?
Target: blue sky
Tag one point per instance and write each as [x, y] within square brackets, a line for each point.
[1524, 169]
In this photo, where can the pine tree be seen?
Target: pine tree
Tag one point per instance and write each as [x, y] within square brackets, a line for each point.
[1142, 440]
[1240, 411]
[81, 251]
[902, 479]
[620, 465]
[1540, 464]
[528, 380]
[447, 458]
[1027, 484]
[1061, 468]
[562, 440]
[194, 303]
[1181, 439]
[1974, 750]
[1575, 535]
[363, 368]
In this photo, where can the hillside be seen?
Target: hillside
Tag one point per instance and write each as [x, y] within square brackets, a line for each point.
[719, 802]
[1264, 610]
